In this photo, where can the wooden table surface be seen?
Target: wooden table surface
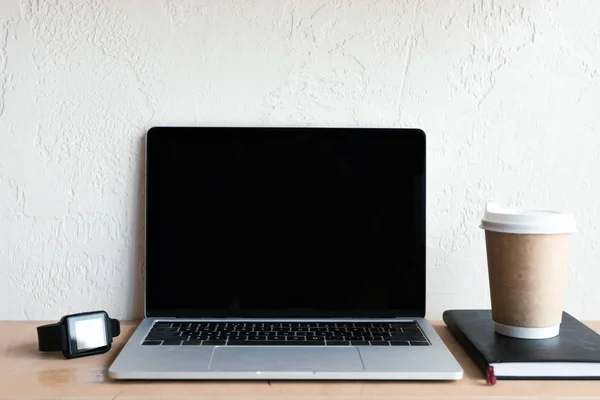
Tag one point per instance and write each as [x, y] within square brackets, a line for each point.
[27, 373]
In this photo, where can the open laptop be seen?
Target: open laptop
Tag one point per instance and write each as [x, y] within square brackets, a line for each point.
[285, 253]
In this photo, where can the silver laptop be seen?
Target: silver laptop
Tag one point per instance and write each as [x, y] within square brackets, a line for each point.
[285, 253]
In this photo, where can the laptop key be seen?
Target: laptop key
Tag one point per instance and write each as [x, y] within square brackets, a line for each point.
[162, 337]
[214, 342]
[192, 343]
[306, 343]
[403, 338]
[359, 343]
[261, 343]
[280, 343]
[338, 343]
[380, 343]
[242, 343]
[257, 338]
[412, 343]
[399, 343]
[151, 343]
[164, 332]
[171, 342]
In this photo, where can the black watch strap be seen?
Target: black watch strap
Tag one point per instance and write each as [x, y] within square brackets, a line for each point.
[115, 327]
[51, 337]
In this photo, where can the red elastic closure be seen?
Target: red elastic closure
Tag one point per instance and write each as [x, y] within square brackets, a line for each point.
[490, 376]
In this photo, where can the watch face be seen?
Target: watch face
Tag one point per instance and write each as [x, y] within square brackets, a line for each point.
[87, 332]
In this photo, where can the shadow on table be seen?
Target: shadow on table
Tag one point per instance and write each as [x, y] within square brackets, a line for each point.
[29, 350]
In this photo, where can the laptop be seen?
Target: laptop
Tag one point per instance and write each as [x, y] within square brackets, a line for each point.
[285, 253]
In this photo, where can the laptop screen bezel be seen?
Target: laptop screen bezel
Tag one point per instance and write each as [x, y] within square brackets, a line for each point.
[417, 135]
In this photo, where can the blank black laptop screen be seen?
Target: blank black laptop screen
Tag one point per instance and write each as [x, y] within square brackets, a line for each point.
[285, 222]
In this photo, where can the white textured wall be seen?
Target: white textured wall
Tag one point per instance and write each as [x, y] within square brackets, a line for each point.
[508, 92]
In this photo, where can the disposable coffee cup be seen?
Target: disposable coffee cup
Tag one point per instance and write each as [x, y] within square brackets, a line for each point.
[528, 254]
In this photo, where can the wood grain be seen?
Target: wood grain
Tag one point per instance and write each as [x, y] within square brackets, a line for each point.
[27, 373]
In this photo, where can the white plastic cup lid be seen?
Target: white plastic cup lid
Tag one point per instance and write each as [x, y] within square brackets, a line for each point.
[526, 221]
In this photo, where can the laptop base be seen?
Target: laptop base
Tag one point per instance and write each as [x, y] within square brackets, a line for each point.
[433, 362]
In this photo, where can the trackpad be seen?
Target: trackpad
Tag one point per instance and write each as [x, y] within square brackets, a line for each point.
[286, 359]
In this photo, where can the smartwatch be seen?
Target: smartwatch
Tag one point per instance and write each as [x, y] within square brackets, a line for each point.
[78, 335]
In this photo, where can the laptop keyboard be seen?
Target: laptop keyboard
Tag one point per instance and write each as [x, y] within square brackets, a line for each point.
[285, 334]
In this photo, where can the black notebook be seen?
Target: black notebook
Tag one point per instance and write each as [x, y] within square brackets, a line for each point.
[573, 354]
